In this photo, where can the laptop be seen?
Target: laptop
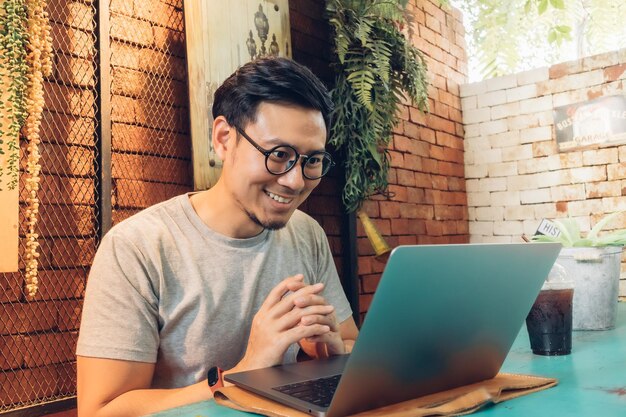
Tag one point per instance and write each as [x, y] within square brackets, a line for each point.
[442, 316]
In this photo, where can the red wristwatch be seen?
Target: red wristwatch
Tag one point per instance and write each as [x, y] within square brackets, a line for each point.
[214, 378]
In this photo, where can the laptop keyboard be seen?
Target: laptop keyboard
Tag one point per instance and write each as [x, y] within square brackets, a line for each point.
[317, 391]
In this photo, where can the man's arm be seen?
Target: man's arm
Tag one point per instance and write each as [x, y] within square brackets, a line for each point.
[117, 388]
[120, 388]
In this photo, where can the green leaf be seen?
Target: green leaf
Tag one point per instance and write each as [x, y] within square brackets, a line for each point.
[563, 28]
[543, 6]
[528, 6]
[558, 4]
[552, 36]
[593, 234]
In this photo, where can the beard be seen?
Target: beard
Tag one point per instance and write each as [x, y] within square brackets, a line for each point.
[269, 225]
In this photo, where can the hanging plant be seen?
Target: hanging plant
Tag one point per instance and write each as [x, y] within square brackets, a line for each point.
[27, 47]
[39, 59]
[376, 68]
[13, 80]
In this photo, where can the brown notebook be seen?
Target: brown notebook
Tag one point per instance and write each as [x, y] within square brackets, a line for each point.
[457, 401]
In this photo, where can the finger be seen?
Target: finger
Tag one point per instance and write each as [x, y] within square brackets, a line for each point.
[294, 317]
[278, 292]
[317, 319]
[286, 304]
[309, 299]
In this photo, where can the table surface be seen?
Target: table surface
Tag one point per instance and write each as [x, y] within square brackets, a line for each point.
[592, 380]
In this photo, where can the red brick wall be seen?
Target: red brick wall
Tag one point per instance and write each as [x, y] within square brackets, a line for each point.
[427, 174]
[311, 46]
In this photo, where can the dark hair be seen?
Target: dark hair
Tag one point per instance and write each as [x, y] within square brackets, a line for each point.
[278, 80]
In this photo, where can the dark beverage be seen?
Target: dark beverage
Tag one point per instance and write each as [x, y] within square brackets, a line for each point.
[549, 322]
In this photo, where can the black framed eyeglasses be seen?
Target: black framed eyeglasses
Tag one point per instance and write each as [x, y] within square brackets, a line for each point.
[283, 158]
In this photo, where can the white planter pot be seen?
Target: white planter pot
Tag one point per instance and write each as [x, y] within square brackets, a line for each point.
[595, 272]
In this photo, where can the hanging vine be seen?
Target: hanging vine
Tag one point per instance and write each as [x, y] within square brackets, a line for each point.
[14, 71]
[27, 50]
[39, 59]
[376, 67]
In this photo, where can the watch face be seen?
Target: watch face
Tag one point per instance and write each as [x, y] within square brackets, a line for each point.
[213, 376]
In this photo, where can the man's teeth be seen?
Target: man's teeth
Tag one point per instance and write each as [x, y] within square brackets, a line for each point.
[278, 198]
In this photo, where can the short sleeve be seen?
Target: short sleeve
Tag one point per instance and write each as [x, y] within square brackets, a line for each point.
[120, 312]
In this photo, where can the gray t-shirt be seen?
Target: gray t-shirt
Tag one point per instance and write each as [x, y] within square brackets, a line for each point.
[166, 289]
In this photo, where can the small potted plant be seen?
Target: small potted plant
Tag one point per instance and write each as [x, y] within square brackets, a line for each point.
[592, 261]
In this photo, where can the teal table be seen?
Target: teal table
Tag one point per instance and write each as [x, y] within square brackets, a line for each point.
[592, 380]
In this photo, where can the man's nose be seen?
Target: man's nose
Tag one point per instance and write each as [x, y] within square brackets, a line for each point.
[294, 178]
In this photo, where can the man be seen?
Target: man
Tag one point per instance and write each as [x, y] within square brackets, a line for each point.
[229, 279]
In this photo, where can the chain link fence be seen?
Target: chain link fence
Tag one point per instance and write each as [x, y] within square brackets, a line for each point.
[150, 162]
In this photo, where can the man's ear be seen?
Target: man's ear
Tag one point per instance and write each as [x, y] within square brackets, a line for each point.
[221, 137]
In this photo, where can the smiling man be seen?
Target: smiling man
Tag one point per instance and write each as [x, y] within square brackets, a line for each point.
[229, 279]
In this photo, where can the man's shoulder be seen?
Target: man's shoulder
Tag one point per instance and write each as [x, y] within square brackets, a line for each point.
[149, 220]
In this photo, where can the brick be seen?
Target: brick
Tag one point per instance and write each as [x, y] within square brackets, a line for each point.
[67, 252]
[150, 168]
[49, 348]
[521, 93]
[73, 14]
[504, 139]
[11, 352]
[536, 134]
[76, 71]
[534, 196]
[62, 220]
[523, 121]
[473, 89]
[24, 318]
[615, 72]
[389, 209]
[600, 156]
[492, 184]
[471, 116]
[476, 171]
[398, 193]
[489, 213]
[69, 314]
[61, 128]
[518, 213]
[544, 148]
[588, 174]
[416, 211]
[131, 30]
[370, 282]
[22, 386]
[469, 103]
[493, 127]
[508, 228]
[61, 284]
[502, 169]
[612, 204]
[492, 98]
[517, 153]
[501, 83]
[139, 194]
[481, 228]
[533, 76]
[171, 41]
[505, 198]
[66, 190]
[10, 287]
[72, 41]
[69, 100]
[488, 156]
[504, 110]
[568, 192]
[616, 171]
[129, 138]
[603, 189]
[159, 13]
[536, 105]
[67, 160]
[584, 208]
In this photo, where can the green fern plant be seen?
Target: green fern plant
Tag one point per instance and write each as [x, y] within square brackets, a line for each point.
[376, 67]
[570, 235]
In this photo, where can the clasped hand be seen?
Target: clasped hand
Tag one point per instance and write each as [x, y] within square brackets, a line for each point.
[292, 312]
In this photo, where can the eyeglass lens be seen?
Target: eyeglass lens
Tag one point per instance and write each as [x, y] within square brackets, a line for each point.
[282, 159]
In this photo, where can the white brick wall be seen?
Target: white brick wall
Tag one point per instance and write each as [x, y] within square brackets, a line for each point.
[515, 174]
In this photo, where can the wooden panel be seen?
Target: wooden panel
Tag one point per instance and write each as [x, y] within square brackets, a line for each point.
[219, 36]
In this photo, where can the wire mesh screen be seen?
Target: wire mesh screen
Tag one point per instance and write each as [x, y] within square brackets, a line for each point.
[37, 336]
[150, 162]
[150, 121]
